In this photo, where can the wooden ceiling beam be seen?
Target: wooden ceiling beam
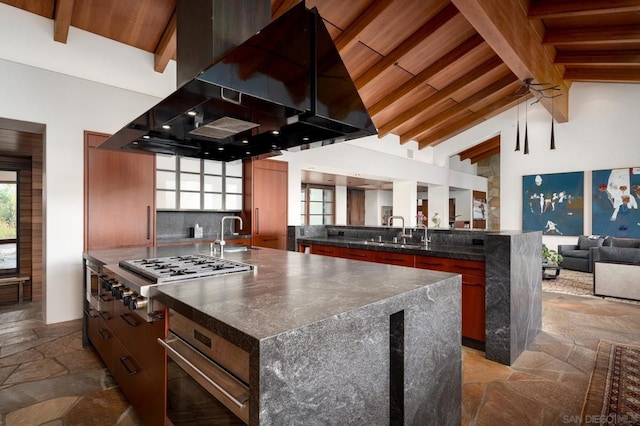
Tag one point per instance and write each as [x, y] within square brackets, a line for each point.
[588, 35]
[433, 100]
[608, 75]
[506, 28]
[542, 9]
[484, 155]
[166, 48]
[278, 8]
[598, 57]
[444, 16]
[421, 78]
[480, 95]
[62, 20]
[467, 122]
[350, 36]
[481, 148]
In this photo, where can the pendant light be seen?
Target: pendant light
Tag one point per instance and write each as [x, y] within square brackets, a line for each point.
[526, 132]
[553, 138]
[518, 128]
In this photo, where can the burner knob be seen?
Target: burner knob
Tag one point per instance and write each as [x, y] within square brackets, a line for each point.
[122, 291]
[107, 283]
[114, 289]
[138, 302]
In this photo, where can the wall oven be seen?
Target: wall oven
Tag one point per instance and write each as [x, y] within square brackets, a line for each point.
[207, 376]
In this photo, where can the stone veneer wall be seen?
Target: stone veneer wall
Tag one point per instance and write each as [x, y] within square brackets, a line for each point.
[490, 169]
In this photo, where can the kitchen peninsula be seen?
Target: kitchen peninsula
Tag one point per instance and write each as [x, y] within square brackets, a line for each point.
[334, 340]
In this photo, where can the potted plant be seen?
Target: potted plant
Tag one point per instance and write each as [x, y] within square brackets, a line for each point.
[550, 257]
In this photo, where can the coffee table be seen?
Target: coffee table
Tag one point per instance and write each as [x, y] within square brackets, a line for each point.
[550, 272]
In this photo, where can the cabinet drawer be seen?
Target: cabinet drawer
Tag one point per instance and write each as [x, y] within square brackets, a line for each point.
[270, 241]
[138, 335]
[433, 263]
[357, 254]
[143, 387]
[399, 259]
[100, 336]
[325, 250]
[467, 267]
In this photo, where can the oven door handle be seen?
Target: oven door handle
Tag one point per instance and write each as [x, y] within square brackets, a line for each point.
[182, 360]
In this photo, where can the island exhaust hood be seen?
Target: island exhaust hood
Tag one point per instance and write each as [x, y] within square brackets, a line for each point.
[285, 87]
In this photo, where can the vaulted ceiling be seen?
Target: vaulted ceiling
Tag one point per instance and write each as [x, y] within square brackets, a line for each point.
[425, 69]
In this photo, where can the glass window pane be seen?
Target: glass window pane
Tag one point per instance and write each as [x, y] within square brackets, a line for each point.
[315, 208]
[302, 220]
[166, 162]
[213, 183]
[189, 200]
[328, 220]
[166, 199]
[8, 256]
[327, 208]
[303, 195]
[213, 167]
[8, 210]
[213, 201]
[165, 180]
[189, 164]
[189, 182]
[315, 220]
[234, 185]
[233, 202]
[328, 195]
[315, 194]
[234, 168]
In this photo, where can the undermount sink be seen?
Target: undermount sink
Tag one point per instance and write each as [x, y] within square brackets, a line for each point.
[229, 248]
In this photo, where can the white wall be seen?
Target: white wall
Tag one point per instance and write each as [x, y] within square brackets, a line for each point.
[68, 106]
[603, 132]
[374, 200]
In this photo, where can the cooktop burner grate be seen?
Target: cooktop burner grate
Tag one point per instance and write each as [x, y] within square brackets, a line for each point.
[176, 268]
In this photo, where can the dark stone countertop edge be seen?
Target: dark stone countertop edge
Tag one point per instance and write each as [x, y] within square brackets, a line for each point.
[455, 252]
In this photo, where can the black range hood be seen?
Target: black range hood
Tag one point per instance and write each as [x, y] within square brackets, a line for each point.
[284, 87]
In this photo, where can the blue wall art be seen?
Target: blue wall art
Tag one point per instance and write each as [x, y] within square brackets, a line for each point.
[616, 194]
[553, 203]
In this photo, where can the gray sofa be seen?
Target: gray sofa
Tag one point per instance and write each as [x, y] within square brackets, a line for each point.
[616, 269]
[619, 250]
[580, 257]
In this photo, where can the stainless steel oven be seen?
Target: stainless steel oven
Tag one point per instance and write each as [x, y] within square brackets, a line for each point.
[207, 376]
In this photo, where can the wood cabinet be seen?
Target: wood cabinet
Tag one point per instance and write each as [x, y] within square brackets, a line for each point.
[325, 250]
[398, 259]
[265, 202]
[357, 254]
[119, 197]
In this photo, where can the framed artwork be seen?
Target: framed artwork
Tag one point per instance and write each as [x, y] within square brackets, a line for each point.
[553, 203]
[616, 194]
[386, 212]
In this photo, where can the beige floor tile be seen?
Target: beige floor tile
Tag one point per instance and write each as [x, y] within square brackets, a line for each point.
[42, 412]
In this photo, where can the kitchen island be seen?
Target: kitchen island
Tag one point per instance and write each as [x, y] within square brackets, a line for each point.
[330, 341]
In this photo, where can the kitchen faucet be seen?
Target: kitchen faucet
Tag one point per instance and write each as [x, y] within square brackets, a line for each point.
[222, 241]
[404, 234]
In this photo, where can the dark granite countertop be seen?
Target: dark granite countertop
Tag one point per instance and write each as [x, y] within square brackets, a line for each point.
[465, 252]
[167, 240]
[287, 291]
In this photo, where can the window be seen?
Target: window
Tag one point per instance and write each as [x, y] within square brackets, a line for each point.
[184, 183]
[8, 221]
[317, 205]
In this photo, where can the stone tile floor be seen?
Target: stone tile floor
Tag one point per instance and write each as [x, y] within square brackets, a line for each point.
[48, 378]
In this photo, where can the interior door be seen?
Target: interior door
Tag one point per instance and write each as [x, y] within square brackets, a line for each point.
[355, 207]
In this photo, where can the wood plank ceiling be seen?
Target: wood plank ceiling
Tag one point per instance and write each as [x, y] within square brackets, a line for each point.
[425, 69]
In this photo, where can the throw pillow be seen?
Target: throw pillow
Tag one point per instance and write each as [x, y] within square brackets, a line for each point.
[625, 242]
[585, 243]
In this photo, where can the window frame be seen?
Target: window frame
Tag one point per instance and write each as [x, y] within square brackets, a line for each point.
[202, 192]
[16, 240]
[305, 215]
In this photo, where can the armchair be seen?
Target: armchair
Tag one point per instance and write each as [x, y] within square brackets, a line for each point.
[580, 257]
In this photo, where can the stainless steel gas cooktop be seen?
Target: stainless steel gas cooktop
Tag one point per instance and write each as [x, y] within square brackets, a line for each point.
[175, 268]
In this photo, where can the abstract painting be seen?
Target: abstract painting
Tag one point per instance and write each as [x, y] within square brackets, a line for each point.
[616, 194]
[553, 203]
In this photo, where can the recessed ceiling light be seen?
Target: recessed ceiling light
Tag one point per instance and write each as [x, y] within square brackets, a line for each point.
[245, 141]
[166, 126]
[274, 146]
[221, 148]
[146, 137]
[206, 153]
[192, 113]
[135, 142]
[305, 138]
[247, 152]
[275, 132]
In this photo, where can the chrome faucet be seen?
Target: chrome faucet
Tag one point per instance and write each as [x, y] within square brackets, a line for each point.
[404, 234]
[222, 242]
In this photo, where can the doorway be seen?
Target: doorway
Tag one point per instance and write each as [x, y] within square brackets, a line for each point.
[355, 207]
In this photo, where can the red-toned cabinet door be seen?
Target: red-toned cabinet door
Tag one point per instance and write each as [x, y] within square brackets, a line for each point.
[473, 310]
[398, 259]
[325, 250]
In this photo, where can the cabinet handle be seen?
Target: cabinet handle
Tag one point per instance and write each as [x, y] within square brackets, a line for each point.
[129, 323]
[104, 334]
[148, 222]
[88, 313]
[167, 345]
[124, 360]
[257, 220]
[356, 254]
[105, 316]
[109, 299]
[395, 259]
[430, 263]
[472, 284]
